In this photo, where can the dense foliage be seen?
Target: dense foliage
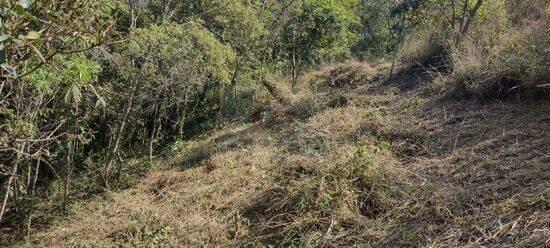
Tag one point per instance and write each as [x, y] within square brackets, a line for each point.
[88, 84]
[47, 92]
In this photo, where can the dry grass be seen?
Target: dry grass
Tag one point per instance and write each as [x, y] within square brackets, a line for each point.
[386, 168]
[314, 205]
[425, 48]
[350, 74]
[491, 157]
[185, 206]
[504, 54]
[517, 62]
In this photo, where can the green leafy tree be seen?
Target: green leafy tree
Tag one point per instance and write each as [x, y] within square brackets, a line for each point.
[316, 30]
[165, 69]
[46, 91]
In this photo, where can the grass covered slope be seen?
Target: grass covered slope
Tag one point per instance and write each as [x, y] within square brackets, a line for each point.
[351, 159]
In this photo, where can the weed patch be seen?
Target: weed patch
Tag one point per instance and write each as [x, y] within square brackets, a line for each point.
[312, 205]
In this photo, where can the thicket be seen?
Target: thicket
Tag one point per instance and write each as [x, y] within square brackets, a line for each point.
[482, 48]
[87, 85]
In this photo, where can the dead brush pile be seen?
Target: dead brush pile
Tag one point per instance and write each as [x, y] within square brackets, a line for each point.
[332, 129]
[314, 206]
[339, 86]
[339, 183]
[345, 75]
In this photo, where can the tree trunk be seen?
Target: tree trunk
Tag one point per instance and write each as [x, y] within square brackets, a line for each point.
[107, 168]
[33, 190]
[471, 16]
[154, 135]
[8, 187]
[466, 21]
[294, 71]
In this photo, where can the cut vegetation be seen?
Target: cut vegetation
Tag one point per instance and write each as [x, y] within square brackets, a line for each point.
[275, 123]
[381, 168]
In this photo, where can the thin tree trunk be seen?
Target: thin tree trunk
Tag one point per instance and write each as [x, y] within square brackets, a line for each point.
[184, 112]
[235, 77]
[453, 16]
[154, 134]
[8, 187]
[232, 89]
[69, 173]
[166, 10]
[294, 73]
[2, 54]
[472, 14]
[467, 20]
[33, 190]
[392, 66]
[107, 168]
[464, 11]
[151, 141]
[133, 13]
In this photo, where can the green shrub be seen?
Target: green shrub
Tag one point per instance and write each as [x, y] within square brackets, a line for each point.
[497, 61]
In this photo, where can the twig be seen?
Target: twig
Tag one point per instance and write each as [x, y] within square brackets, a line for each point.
[543, 154]
[8, 192]
[33, 199]
[457, 135]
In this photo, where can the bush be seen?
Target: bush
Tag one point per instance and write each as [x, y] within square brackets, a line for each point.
[500, 59]
[426, 48]
[504, 52]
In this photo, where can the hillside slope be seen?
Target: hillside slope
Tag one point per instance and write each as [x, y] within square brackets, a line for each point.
[352, 159]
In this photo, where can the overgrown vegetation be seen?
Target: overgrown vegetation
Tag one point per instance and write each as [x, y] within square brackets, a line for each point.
[95, 94]
[486, 49]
